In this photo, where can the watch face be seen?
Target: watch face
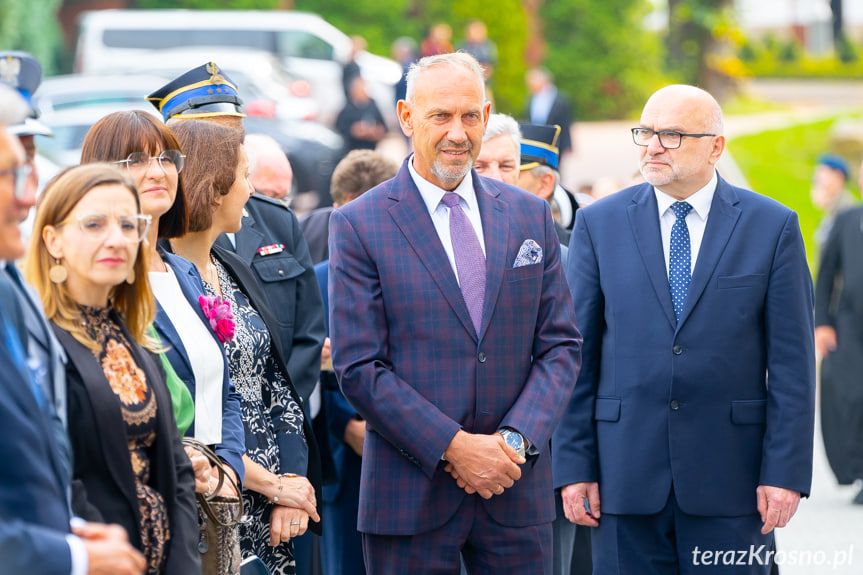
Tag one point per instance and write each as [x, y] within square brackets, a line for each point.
[515, 441]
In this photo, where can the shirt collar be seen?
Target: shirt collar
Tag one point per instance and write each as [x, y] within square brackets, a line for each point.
[432, 194]
[700, 200]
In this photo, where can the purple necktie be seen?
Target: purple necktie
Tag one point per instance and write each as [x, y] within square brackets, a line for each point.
[469, 259]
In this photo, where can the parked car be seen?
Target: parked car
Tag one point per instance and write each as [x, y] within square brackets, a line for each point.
[72, 104]
[305, 43]
[267, 89]
[76, 91]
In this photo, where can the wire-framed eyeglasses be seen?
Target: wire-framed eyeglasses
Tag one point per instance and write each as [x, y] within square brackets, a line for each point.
[171, 161]
[132, 228]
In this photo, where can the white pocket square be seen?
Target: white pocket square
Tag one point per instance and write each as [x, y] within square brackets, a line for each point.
[528, 254]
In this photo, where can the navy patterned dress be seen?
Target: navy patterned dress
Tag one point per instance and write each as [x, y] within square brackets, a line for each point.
[272, 420]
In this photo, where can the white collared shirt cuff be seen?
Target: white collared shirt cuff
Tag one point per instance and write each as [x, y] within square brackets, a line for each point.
[80, 561]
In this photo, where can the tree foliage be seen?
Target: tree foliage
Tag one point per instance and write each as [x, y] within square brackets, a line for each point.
[601, 55]
[696, 30]
[32, 27]
[381, 22]
[211, 4]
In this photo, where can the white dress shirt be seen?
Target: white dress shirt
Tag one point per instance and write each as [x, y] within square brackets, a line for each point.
[204, 356]
[696, 220]
[432, 196]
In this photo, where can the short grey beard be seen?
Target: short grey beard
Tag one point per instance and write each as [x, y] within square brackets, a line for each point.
[449, 179]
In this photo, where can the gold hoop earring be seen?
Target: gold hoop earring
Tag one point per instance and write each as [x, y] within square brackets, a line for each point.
[130, 277]
[57, 274]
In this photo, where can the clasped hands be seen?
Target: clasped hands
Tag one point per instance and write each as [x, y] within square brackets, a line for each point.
[482, 464]
[296, 505]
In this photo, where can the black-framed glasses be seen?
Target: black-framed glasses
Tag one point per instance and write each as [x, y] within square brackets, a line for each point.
[133, 228]
[20, 175]
[169, 161]
[668, 139]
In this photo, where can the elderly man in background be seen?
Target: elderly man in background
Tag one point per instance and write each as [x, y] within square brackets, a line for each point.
[538, 173]
[269, 168]
[500, 155]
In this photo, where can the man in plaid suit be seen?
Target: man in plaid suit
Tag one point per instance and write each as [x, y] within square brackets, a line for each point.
[460, 388]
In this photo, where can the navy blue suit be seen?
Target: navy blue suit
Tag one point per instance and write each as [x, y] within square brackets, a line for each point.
[705, 409]
[34, 514]
[233, 444]
[342, 545]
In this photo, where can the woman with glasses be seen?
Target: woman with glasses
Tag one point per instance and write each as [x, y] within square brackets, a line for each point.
[88, 263]
[282, 484]
[146, 149]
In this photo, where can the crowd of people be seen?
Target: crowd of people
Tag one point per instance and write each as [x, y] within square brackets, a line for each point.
[455, 368]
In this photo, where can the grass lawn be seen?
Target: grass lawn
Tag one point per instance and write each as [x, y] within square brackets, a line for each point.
[780, 163]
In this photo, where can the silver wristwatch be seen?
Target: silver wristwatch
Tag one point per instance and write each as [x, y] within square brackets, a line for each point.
[514, 439]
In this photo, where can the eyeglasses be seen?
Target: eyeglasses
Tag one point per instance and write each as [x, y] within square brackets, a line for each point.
[20, 175]
[169, 161]
[133, 228]
[668, 139]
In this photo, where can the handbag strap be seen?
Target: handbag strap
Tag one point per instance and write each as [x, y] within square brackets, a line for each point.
[203, 498]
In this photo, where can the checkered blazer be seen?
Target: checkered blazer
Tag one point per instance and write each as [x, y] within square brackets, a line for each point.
[408, 358]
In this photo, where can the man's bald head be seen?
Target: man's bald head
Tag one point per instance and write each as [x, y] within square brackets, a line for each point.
[269, 168]
[690, 101]
[696, 116]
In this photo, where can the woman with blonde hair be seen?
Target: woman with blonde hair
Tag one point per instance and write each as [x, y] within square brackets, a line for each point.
[88, 263]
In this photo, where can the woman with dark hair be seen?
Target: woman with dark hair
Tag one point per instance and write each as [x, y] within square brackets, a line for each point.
[282, 485]
[87, 261]
[149, 152]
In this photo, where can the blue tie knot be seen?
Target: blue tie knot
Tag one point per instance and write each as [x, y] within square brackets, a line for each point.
[681, 209]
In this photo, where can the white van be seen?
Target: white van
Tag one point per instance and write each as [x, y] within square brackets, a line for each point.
[307, 44]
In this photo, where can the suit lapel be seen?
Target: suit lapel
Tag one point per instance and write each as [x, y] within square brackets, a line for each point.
[411, 216]
[167, 329]
[720, 223]
[644, 221]
[248, 239]
[495, 231]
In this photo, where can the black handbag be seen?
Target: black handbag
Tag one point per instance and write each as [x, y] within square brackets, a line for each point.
[219, 519]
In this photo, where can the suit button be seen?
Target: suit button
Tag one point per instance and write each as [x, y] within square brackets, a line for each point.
[481, 357]
[675, 405]
[677, 349]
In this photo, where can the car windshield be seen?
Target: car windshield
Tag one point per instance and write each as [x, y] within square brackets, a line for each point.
[288, 43]
[183, 38]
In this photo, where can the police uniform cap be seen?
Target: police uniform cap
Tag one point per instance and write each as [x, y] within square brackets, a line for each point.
[202, 92]
[539, 146]
[23, 72]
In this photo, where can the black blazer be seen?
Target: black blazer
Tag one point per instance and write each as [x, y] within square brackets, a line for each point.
[287, 279]
[241, 273]
[103, 476]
